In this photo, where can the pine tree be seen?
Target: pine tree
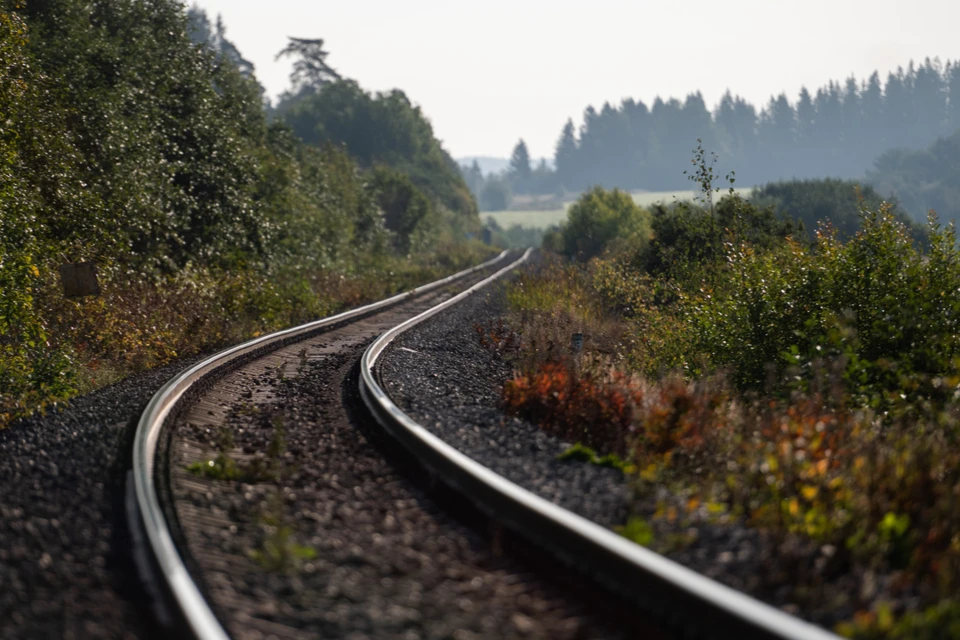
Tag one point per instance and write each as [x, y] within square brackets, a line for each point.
[310, 68]
[952, 78]
[871, 104]
[520, 171]
[565, 158]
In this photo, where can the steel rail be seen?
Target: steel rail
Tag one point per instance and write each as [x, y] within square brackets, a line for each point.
[649, 579]
[193, 607]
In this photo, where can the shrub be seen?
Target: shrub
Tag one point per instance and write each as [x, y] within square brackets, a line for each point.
[687, 238]
[602, 221]
[877, 304]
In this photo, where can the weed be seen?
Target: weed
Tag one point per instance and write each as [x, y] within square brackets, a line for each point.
[222, 466]
[581, 453]
[279, 551]
[260, 469]
[637, 530]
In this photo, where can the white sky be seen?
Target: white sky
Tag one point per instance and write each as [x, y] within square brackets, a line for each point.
[487, 72]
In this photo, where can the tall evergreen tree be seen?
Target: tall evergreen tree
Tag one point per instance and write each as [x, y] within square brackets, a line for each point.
[873, 137]
[520, 171]
[952, 79]
[929, 100]
[565, 157]
[896, 110]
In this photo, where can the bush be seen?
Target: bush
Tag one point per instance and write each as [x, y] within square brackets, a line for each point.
[876, 304]
[602, 220]
[688, 237]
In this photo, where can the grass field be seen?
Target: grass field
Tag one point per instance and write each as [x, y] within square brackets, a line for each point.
[544, 219]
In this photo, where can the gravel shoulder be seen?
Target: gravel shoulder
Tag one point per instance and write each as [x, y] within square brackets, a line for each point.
[441, 376]
[65, 571]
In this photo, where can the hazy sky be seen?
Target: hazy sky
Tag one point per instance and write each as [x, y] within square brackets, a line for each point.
[488, 72]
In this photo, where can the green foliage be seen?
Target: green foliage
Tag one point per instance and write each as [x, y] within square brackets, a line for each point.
[838, 129]
[519, 172]
[837, 203]
[934, 623]
[279, 551]
[222, 466]
[876, 305]
[125, 143]
[31, 373]
[310, 68]
[817, 392]
[604, 220]
[167, 179]
[515, 236]
[637, 530]
[407, 212]
[582, 453]
[688, 238]
[382, 129]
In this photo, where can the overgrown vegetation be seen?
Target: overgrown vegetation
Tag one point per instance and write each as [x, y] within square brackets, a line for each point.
[125, 143]
[807, 388]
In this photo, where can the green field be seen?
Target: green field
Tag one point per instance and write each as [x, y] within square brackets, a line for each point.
[544, 219]
[532, 219]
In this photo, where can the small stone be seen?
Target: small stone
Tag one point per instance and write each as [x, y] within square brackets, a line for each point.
[524, 624]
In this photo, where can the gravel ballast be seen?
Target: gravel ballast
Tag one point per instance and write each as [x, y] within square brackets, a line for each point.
[65, 571]
[372, 550]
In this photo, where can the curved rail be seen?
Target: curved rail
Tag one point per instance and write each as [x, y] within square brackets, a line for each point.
[638, 573]
[195, 610]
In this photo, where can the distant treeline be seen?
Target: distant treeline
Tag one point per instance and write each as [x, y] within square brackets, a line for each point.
[924, 179]
[837, 131]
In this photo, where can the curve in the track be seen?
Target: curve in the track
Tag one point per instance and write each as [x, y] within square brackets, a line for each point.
[170, 568]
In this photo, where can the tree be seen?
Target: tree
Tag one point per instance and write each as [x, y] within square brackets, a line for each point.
[519, 171]
[896, 110]
[871, 101]
[604, 220]
[380, 129]
[404, 207]
[310, 69]
[473, 176]
[805, 133]
[952, 78]
[565, 157]
[495, 195]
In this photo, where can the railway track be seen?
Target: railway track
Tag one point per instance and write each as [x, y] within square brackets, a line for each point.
[352, 545]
